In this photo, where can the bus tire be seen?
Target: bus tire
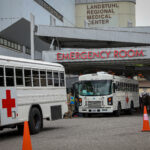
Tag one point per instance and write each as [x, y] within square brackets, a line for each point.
[131, 108]
[118, 111]
[35, 120]
[20, 128]
[86, 115]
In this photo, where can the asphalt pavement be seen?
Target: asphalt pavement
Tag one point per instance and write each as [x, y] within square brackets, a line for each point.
[94, 133]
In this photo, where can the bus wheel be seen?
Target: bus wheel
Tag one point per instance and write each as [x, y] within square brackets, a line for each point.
[85, 115]
[118, 111]
[35, 120]
[131, 108]
[20, 128]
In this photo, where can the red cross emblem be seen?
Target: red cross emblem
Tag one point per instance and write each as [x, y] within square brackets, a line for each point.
[127, 99]
[8, 103]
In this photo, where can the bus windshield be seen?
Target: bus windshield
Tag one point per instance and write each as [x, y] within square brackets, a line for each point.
[95, 88]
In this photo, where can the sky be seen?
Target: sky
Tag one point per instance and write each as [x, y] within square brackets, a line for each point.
[142, 12]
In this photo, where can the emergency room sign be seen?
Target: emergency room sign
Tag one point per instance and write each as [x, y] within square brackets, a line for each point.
[8, 106]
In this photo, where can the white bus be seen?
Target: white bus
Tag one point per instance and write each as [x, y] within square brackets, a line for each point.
[31, 91]
[106, 93]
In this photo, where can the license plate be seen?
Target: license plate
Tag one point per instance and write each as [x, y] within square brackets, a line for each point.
[104, 109]
[94, 110]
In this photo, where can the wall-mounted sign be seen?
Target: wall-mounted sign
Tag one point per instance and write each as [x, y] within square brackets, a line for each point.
[101, 13]
[104, 54]
[50, 9]
[105, 13]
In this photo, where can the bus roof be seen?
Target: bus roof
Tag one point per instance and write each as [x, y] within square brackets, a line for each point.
[103, 76]
[23, 60]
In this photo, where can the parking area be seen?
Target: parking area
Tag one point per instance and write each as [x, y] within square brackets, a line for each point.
[97, 133]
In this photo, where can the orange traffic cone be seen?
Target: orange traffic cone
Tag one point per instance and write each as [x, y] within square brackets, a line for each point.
[145, 121]
[26, 138]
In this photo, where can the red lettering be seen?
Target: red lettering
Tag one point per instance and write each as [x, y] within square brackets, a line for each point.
[101, 54]
[58, 56]
[115, 54]
[96, 54]
[90, 54]
[77, 55]
[139, 54]
[131, 51]
[108, 53]
[66, 56]
[85, 56]
[72, 55]
[122, 51]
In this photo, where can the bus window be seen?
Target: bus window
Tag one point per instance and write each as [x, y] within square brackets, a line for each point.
[137, 88]
[128, 87]
[49, 78]
[124, 86]
[9, 76]
[116, 86]
[43, 78]
[56, 79]
[35, 75]
[132, 87]
[19, 77]
[27, 75]
[1, 76]
[62, 81]
[121, 86]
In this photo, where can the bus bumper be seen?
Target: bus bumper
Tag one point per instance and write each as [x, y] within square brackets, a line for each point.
[96, 110]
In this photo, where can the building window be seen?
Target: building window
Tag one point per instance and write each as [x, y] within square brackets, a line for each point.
[1, 41]
[27, 51]
[16, 46]
[10, 44]
[5, 42]
[19, 47]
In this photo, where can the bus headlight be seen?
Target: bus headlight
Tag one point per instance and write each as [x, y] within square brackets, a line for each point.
[110, 101]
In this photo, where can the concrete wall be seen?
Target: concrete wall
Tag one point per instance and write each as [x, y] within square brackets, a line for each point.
[11, 11]
[9, 52]
[110, 14]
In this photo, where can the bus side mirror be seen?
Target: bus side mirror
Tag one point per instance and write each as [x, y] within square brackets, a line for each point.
[114, 87]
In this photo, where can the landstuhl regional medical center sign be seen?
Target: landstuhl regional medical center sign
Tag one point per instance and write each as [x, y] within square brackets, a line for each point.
[105, 13]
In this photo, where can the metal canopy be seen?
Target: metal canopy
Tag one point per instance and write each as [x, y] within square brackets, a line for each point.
[69, 37]
[77, 43]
